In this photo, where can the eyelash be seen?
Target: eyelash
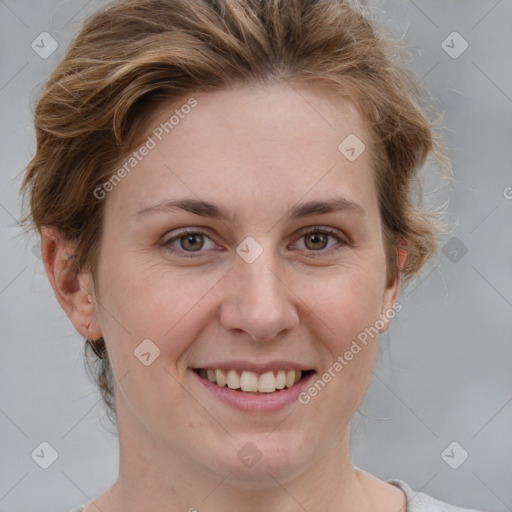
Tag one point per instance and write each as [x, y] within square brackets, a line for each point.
[315, 230]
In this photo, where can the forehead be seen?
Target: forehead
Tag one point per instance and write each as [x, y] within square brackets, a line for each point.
[272, 143]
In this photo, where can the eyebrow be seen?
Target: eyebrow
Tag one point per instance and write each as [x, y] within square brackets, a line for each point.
[206, 209]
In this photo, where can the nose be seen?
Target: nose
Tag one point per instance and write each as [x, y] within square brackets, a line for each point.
[259, 301]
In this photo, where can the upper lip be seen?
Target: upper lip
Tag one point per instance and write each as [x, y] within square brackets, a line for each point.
[251, 366]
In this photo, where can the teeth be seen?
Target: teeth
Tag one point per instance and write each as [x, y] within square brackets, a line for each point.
[280, 379]
[249, 381]
[267, 382]
[290, 378]
[220, 377]
[233, 380]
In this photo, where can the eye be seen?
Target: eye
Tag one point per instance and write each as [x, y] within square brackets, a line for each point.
[188, 243]
[317, 240]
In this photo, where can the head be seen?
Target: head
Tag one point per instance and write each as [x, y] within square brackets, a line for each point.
[255, 108]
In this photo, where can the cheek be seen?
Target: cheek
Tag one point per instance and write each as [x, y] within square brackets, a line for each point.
[346, 302]
[150, 301]
[347, 306]
[141, 302]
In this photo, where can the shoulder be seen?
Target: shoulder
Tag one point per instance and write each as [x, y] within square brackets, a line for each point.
[420, 502]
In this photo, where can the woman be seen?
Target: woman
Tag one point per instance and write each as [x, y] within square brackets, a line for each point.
[223, 191]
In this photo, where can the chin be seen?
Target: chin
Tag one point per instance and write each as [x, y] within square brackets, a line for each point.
[263, 461]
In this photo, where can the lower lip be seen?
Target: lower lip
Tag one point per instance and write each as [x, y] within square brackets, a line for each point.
[261, 402]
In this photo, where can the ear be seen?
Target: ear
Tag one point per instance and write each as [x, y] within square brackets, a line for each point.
[75, 293]
[389, 305]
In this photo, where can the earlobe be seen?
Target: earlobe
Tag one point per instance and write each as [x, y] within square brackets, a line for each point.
[74, 292]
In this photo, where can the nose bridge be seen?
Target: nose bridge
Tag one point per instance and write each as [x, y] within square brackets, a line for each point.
[259, 301]
[260, 282]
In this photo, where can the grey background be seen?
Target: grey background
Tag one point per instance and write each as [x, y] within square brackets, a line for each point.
[444, 371]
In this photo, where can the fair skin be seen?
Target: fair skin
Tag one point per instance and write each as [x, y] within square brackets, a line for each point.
[258, 152]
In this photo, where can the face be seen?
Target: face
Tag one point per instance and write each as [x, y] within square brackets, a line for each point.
[244, 246]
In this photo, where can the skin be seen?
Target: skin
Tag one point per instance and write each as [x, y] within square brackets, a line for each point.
[257, 152]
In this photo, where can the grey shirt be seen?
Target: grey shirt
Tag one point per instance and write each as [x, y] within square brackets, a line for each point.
[420, 502]
[416, 502]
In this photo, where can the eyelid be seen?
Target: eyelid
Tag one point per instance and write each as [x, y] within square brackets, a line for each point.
[323, 229]
[167, 240]
[341, 239]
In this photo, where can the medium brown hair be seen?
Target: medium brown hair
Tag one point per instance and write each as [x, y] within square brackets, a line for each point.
[133, 54]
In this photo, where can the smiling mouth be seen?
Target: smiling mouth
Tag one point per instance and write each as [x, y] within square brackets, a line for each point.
[251, 382]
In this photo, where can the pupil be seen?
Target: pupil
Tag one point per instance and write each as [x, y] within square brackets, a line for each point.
[318, 238]
[189, 240]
